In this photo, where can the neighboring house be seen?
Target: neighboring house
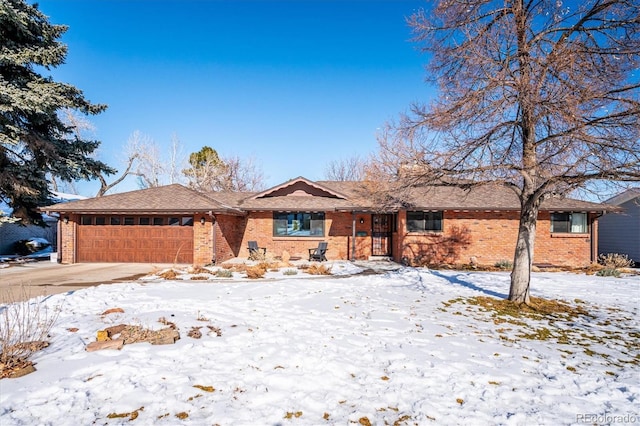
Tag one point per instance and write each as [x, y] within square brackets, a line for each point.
[12, 232]
[439, 225]
[619, 232]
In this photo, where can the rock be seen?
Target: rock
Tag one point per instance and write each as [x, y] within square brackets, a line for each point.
[113, 311]
[116, 329]
[108, 344]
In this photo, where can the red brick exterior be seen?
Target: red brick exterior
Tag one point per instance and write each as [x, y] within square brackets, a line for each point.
[489, 236]
[68, 233]
[338, 234]
[229, 232]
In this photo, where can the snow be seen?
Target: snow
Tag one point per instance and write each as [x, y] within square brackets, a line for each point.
[398, 346]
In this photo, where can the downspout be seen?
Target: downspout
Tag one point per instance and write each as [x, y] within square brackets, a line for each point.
[594, 238]
[213, 238]
[353, 236]
[59, 240]
[75, 240]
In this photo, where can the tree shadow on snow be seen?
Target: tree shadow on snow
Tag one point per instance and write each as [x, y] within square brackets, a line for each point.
[454, 279]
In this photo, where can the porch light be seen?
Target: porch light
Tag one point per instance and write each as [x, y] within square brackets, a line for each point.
[361, 220]
[202, 220]
[66, 219]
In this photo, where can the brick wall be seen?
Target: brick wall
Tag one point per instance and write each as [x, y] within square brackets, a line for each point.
[229, 232]
[490, 237]
[202, 240]
[338, 235]
[68, 232]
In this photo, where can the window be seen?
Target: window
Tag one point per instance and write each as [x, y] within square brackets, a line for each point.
[158, 221]
[174, 221]
[101, 220]
[128, 220]
[424, 221]
[298, 224]
[86, 220]
[144, 221]
[187, 221]
[573, 223]
[115, 220]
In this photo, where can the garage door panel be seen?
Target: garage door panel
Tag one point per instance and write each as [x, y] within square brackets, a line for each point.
[117, 243]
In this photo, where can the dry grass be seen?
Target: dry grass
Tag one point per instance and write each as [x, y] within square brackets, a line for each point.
[255, 272]
[198, 270]
[24, 329]
[538, 308]
[318, 269]
[199, 278]
[169, 274]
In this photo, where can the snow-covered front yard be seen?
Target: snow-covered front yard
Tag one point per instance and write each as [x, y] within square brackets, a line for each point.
[400, 347]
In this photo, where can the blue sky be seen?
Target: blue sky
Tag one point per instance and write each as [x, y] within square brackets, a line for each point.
[292, 84]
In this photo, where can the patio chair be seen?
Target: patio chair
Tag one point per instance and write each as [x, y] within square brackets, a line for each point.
[318, 253]
[255, 252]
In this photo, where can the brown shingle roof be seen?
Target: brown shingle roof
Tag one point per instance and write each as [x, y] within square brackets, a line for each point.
[163, 199]
[340, 196]
[485, 197]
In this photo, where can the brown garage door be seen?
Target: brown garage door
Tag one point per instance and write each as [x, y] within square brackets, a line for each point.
[160, 244]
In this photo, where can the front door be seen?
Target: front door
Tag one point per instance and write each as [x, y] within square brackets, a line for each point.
[381, 234]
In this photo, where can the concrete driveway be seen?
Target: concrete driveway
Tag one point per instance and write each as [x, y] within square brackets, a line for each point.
[23, 281]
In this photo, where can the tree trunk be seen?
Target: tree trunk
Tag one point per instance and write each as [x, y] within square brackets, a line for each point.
[523, 258]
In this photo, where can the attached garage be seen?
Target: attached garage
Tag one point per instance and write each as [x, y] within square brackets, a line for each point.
[143, 239]
[169, 224]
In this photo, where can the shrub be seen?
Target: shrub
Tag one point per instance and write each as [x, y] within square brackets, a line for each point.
[290, 272]
[24, 328]
[224, 273]
[318, 269]
[504, 264]
[615, 261]
[169, 274]
[254, 272]
[608, 272]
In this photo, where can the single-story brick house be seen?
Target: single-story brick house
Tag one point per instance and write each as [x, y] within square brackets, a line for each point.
[439, 225]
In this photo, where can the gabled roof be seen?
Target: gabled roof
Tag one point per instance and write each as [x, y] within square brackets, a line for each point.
[624, 197]
[301, 194]
[161, 200]
[299, 186]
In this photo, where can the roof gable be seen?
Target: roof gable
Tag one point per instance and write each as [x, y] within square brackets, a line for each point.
[299, 187]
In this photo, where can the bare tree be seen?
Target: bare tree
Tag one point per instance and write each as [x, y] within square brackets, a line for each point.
[242, 175]
[150, 168]
[79, 126]
[210, 172]
[540, 96]
[346, 169]
[176, 160]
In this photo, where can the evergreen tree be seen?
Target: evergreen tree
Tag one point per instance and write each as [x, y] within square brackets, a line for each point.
[34, 141]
